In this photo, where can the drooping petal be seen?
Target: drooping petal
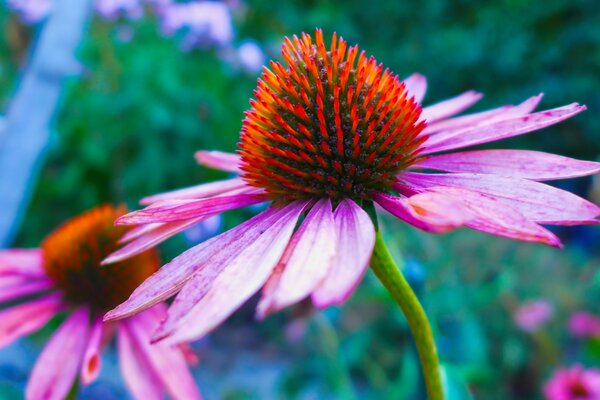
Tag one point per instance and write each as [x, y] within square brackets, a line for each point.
[56, 369]
[140, 377]
[25, 318]
[449, 126]
[355, 242]
[177, 210]
[492, 216]
[167, 361]
[536, 201]
[27, 262]
[22, 286]
[242, 277]
[151, 238]
[449, 107]
[429, 212]
[309, 257]
[499, 130]
[90, 368]
[198, 191]
[525, 164]
[416, 86]
[218, 160]
[213, 253]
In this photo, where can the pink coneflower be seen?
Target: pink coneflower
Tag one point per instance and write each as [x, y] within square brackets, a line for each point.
[328, 135]
[64, 277]
[575, 383]
[532, 315]
[585, 325]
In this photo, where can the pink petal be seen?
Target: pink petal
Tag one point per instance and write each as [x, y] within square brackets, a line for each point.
[499, 130]
[141, 378]
[22, 286]
[214, 254]
[168, 361]
[25, 318]
[308, 259]
[218, 160]
[198, 191]
[90, 367]
[56, 369]
[447, 108]
[241, 278]
[137, 231]
[356, 239]
[429, 212]
[451, 125]
[177, 210]
[536, 201]
[525, 164]
[416, 86]
[492, 216]
[28, 262]
[150, 239]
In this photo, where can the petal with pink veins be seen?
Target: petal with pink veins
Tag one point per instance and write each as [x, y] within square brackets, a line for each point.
[526, 164]
[309, 258]
[177, 210]
[241, 278]
[198, 191]
[427, 211]
[90, 368]
[28, 262]
[139, 375]
[538, 202]
[150, 239]
[213, 254]
[28, 317]
[499, 130]
[416, 86]
[448, 127]
[355, 242]
[449, 107]
[218, 160]
[56, 368]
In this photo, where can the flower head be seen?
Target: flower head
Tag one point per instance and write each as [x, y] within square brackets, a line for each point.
[327, 135]
[64, 276]
[532, 315]
[575, 383]
[585, 325]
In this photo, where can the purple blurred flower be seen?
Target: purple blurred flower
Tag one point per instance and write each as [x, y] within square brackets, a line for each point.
[575, 383]
[585, 325]
[112, 9]
[204, 21]
[531, 315]
[251, 56]
[30, 11]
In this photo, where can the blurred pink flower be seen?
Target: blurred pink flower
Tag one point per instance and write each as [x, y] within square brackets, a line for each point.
[575, 383]
[583, 324]
[112, 9]
[532, 315]
[251, 56]
[65, 277]
[327, 136]
[30, 11]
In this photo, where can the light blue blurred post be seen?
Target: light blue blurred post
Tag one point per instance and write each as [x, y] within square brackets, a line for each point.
[25, 130]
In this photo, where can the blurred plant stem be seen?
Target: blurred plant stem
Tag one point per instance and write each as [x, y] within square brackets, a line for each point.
[390, 276]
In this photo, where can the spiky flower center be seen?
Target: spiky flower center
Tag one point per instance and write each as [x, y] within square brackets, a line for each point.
[74, 251]
[332, 124]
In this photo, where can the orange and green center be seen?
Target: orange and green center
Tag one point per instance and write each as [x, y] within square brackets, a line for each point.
[333, 123]
[74, 251]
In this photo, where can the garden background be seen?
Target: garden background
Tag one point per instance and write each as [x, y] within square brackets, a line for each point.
[148, 94]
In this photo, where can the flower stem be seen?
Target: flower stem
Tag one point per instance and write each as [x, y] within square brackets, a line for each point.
[388, 273]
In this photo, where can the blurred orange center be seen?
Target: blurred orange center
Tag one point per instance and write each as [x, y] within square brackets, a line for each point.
[332, 123]
[72, 256]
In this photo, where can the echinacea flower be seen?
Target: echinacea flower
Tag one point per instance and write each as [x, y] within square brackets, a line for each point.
[575, 383]
[326, 136]
[64, 277]
[532, 315]
[584, 325]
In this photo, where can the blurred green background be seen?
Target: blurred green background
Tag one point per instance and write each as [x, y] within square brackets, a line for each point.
[129, 124]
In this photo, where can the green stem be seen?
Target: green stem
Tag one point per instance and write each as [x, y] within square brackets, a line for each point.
[388, 273]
